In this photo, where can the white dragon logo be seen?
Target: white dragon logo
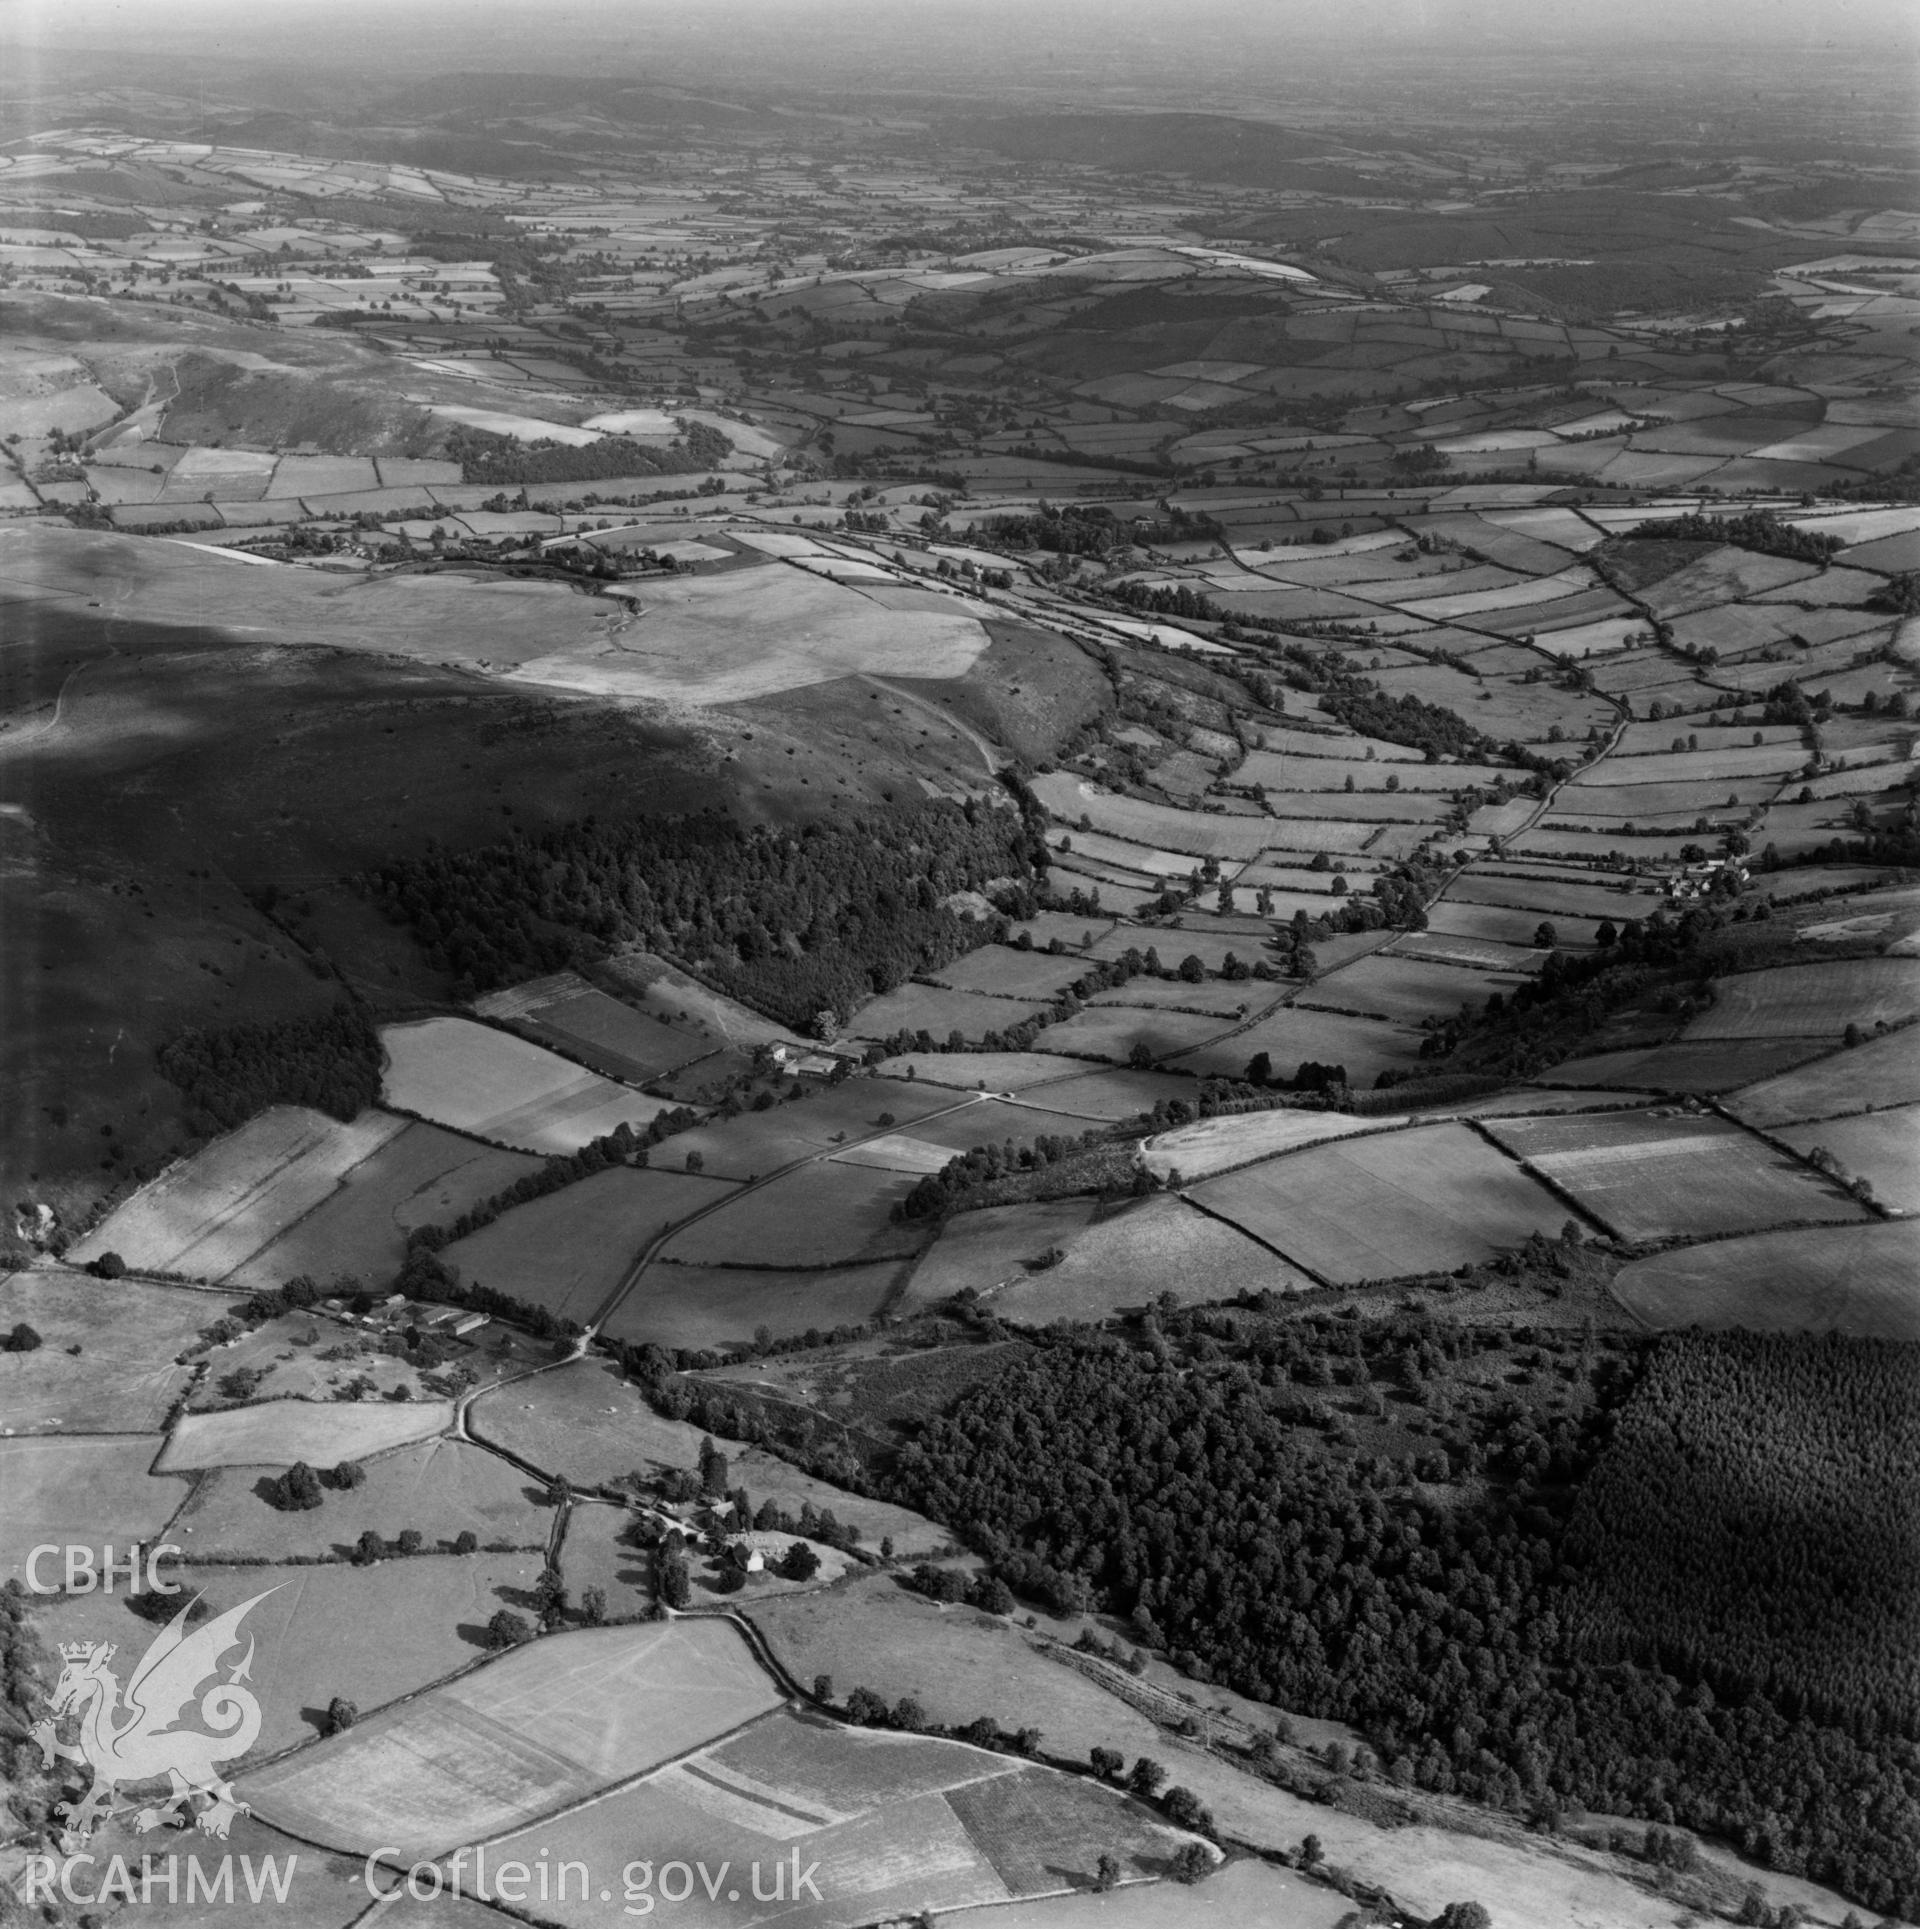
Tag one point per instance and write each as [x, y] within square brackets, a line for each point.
[140, 1739]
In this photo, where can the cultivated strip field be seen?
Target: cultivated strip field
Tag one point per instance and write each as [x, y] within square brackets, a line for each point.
[1423, 1200]
[1655, 1174]
[1863, 1280]
[527, 1733]
[477, 1079]
[209, 1216]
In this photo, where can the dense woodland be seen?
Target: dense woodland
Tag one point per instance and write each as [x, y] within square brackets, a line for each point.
[805, 925]
[1463, 1597]
[500, 458]
[331, 1063]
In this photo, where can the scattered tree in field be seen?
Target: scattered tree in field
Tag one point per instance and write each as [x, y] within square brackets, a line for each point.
[1191, 1863]
[1145, 1777]
[341, 1715]
[23, 1339]
[1106, 1873]
[296, 1490]
[799, 1563]
[466, 1541]
[507, 1630]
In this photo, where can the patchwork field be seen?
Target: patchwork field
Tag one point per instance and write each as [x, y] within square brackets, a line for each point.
[440, 1488]
[82, 1490]
[424, 1176]
[1214, 1145]
[758, 1143]
[702, 1306]
[1714, 1066]
[1655, 1174]
[280, 1432]
[1816, 1000]
[568, 1250]
[1882, 1071]
[477, 1079]
[610, 1036]
[1366, 1047]
[892, 1822]
[532, 1730]
[107, 1361]
[822, 1215]
[1881, 1147]
[213, 1213]
[1863, 1280]
[956, 1662]
[1424, 1200]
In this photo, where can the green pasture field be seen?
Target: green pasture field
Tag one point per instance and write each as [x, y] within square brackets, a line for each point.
[1212, 946]
[1639, 740]
[1681, 1067]
[208, 1215]
[1030, 1822]
[1423, 1200]
[276, 1433]
[928, 1008]
[614, 1038]
[1812, 1000]
[984, 1071]
[1002, 972]
[699, 1016]
[1722, 576]
[1615, 794]
[822, 1214]
[94, 1489]
[425, 1176]
[758, 1143]
[121, 1375]
[1561, 840]
[1103, 1031]
[1510, 708]
[991, 1121]
[1341, 837]
[312, 1628]
[1358, 806]
[1475, 953]
[1881, 1147]
[1133, 1252]
[1863, 1280]
[958, 1663]
[1655, 1174]
[595, 1553]
[1504, 925]
[1546, 898]
[1121, 1093]
[993, 1247]
[1292, 1036]
[542, 1725]
[500, 1086]
[440, 1488]
[908, 1854]
[1278, 771]
[1404, 990]
[1221, 998]
[1070, 798]
[568, 1250]
[1247, 1891]
[713, 1306]
[1044, 926]
[1882, 1071]
[1720, 764]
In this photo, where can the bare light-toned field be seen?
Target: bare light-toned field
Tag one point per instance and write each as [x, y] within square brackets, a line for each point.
[279, 1432]
[81, 1491]
[214, 1212]
[543, 1724]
